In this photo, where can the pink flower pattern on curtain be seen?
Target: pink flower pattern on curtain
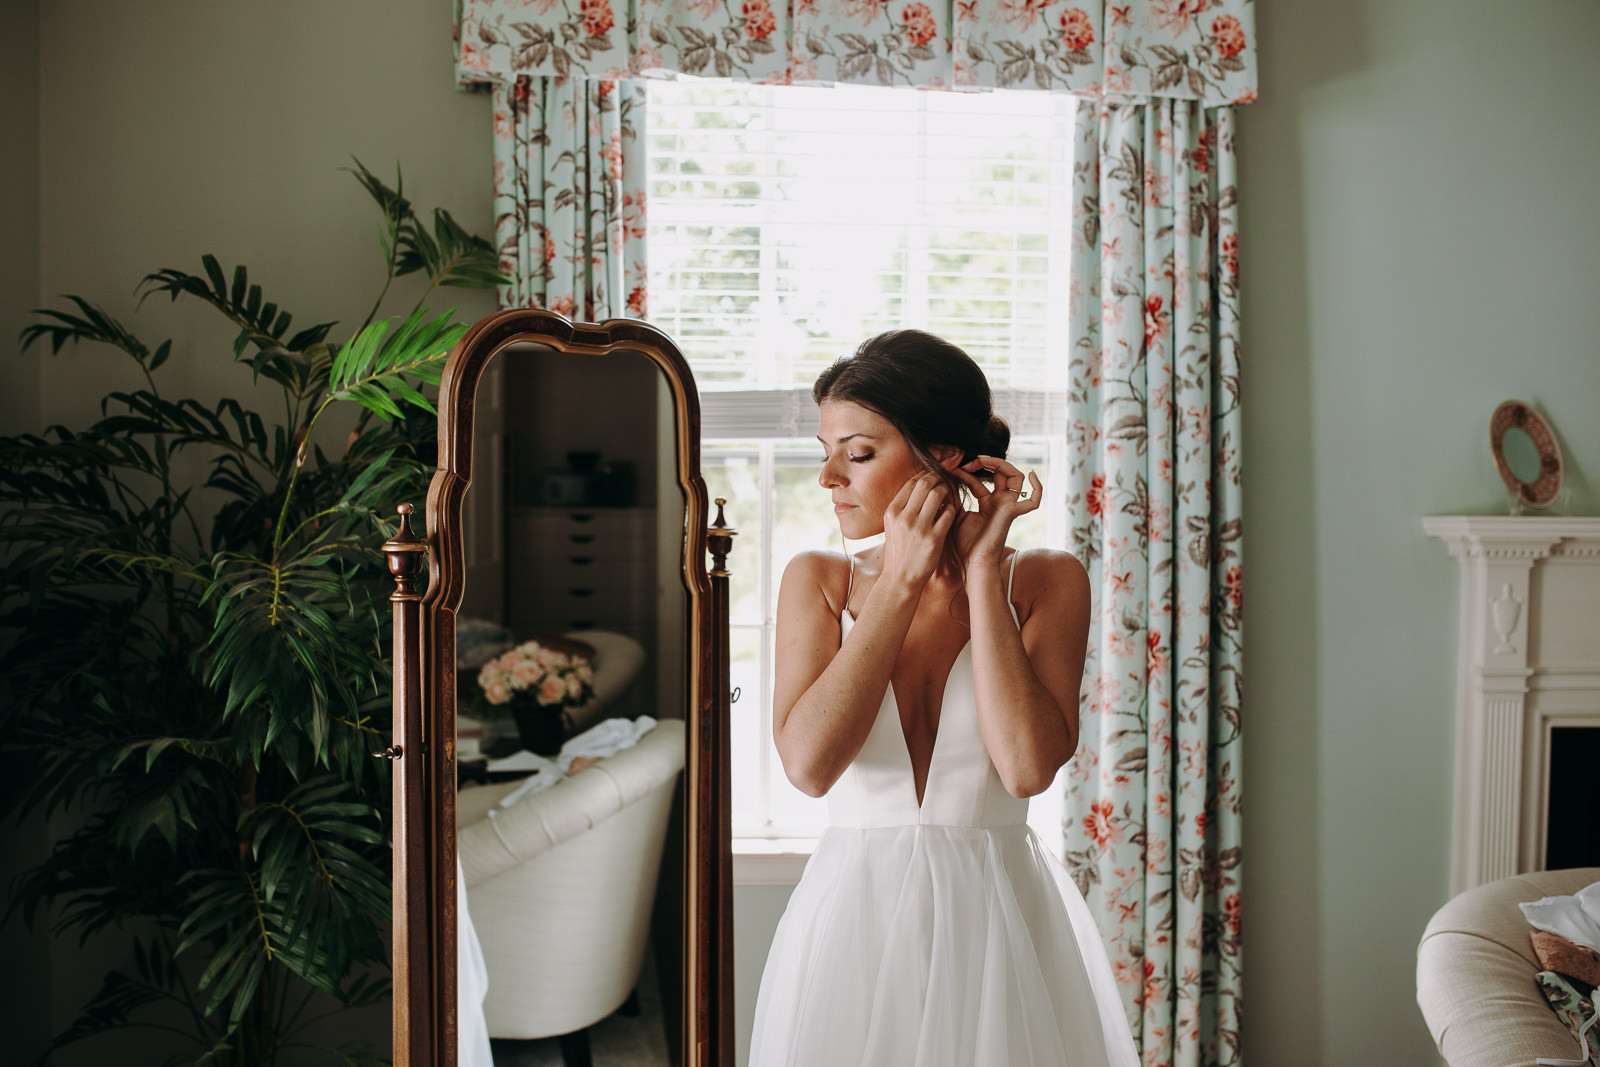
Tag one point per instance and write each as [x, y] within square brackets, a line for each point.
[569, 184]
[1153, 838]
[1191, 49]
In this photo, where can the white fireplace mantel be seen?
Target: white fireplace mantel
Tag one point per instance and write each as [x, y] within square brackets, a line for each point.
[1529, 663]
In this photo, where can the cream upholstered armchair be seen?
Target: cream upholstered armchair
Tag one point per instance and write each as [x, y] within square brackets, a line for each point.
[560, 886]
[1476, 972]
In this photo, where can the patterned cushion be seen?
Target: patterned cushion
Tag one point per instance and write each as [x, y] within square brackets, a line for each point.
[1573, 1007]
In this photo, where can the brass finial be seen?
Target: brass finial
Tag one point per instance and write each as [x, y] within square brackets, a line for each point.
[719, 540]
[407, 553]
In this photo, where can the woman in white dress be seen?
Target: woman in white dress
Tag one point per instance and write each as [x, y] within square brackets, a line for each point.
[928, 687]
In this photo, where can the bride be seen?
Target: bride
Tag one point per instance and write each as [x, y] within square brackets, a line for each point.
[928, 686]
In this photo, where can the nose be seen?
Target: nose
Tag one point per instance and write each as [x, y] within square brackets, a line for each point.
[830, 474]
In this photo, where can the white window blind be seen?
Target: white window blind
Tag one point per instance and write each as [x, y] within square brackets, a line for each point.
[787, 224]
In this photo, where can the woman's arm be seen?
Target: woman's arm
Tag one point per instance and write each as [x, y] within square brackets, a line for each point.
[1027, 682]
[827, 694]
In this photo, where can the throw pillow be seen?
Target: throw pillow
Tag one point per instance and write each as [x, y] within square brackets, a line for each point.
[1573, 1008]
[1556, 953]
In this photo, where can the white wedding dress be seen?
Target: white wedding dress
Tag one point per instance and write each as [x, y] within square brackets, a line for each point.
[940, 934]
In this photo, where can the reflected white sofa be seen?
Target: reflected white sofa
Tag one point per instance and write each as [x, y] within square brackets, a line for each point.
[618, 660]
[1476, 972]
[561, 884]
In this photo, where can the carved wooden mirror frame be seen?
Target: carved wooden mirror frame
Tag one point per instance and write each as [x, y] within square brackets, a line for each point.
[423, 752]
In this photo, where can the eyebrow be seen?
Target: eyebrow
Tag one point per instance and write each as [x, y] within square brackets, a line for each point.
[846, 437]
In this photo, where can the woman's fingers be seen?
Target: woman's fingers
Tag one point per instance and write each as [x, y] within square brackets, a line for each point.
[920, 487]
[1010, 485]
[903, 496]
[976, 487]
[937, 500]
[1004, 473]
[1035, 494]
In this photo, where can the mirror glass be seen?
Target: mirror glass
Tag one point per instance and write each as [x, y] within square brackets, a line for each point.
[571, 750]
[1521, 455]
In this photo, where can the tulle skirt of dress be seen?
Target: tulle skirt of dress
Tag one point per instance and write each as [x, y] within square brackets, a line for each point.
[938, 946]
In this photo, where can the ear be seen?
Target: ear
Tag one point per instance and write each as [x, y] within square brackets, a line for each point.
[949, 457]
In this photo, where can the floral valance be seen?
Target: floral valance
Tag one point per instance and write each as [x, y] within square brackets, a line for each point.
[1191, 49]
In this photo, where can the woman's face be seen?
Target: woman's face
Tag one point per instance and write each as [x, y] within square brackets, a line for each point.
[865, 463]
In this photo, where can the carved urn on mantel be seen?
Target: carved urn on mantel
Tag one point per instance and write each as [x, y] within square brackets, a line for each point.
[1529, 665]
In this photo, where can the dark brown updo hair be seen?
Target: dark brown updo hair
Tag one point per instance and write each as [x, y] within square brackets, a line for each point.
[929, 390]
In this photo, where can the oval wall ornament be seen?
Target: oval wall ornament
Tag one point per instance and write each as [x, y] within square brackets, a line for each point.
[1535, 480]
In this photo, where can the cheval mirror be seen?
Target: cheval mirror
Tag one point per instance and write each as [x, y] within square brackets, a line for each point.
[570, 869]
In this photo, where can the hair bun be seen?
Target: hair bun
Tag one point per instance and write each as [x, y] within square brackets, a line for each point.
[994, 438]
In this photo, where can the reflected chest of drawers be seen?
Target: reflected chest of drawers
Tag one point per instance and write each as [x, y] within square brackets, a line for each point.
[570, 569]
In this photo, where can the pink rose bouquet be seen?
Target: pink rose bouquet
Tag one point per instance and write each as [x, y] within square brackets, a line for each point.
[536, 684]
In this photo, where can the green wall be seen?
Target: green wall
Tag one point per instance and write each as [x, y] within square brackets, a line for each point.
[1421, 241]
[24, 1000]
[1418, 245]
[19, 200]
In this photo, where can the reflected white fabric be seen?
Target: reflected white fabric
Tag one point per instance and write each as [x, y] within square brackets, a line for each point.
[1575, 917]
[472, 1030]
[939, 935]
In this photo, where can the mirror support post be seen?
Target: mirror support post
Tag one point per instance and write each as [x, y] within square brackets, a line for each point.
[412, 978]
[719, 541]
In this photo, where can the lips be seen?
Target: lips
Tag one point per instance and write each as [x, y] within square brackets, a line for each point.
[839, 509]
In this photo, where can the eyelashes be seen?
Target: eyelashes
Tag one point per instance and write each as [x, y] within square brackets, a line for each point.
[853, 459]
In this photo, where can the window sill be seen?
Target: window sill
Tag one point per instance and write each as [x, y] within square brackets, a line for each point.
[770, 861]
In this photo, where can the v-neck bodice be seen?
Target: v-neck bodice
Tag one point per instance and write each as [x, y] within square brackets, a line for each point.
[962, 789]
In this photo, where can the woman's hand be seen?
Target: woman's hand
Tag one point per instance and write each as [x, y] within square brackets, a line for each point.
[981, 536]
[915, 526]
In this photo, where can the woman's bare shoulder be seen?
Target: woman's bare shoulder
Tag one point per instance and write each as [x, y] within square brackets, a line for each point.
[1049, 574]
[818, 572]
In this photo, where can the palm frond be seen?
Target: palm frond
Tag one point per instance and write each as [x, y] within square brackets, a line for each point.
[91, 323]
[450, 256]
[373, 368]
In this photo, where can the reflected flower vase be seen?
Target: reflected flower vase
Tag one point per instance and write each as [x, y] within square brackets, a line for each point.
[543, 728]
[536, 685]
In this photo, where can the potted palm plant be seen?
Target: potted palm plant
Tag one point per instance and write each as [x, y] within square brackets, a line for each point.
[198, 673]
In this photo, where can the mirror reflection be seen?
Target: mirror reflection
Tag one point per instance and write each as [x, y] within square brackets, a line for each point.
[572, 689]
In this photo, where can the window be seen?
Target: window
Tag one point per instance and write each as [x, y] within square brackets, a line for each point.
[786, 225]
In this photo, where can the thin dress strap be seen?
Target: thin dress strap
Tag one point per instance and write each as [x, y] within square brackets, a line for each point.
[1012, 576]
[851, 584]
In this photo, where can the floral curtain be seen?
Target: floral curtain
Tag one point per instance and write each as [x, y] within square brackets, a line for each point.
[569, 184]
[1154, 424]
[1192, 49]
